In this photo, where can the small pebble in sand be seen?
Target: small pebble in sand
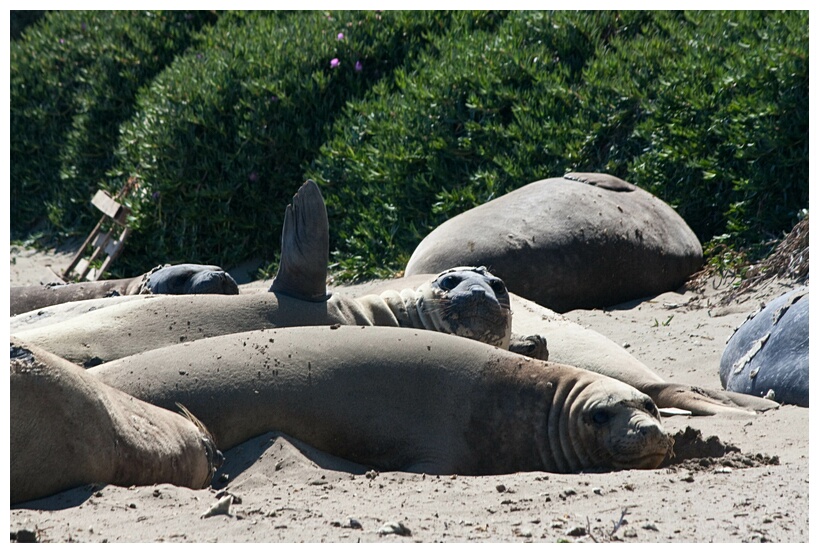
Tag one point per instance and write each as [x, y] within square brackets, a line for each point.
[221, 507]
[393, 527]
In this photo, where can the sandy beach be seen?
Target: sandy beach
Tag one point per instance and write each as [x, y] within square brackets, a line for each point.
[753, 488]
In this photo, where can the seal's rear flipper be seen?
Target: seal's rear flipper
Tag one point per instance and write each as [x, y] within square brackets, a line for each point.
[705, 401]
[305, 247]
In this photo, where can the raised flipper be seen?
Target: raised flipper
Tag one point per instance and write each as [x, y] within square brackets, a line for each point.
[305, 247]
[704, 401]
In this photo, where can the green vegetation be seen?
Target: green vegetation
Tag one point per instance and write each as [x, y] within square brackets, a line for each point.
[422, 116]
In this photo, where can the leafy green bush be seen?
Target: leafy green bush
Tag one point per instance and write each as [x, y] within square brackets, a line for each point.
[706, 110]
[222, 138]
[422, 116]
[74, 76]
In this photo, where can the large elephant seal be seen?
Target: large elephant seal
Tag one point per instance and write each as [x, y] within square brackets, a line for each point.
[397, 399]
[69, 429]
[467, 301]
[572, 344]
[581, 241]
[768, 354]
[187, 278]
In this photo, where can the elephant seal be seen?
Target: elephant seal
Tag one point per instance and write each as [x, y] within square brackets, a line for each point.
[186, 278]
[404, 400]
[768, 354]
[461, 301]
[467, 301]
[581, 241]
[70, 429]
[572, 344]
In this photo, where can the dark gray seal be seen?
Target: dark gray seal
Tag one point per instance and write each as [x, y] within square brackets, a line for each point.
[768, 355]
[585, 240]
[186, 278]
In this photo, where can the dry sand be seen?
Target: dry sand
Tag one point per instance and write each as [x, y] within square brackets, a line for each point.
[285, 492]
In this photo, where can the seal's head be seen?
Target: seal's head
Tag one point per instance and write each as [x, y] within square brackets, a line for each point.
[468, 302]
[615, 426]
[189, 278]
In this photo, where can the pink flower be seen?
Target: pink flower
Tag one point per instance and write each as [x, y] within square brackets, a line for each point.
[334, 63]
[358, 66]
[340, 36]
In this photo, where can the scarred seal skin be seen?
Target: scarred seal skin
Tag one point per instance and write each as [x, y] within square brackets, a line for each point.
[69, 429]
[399, 399]
[768, 354]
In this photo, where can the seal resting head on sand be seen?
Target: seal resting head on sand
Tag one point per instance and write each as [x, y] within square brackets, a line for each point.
[398, 399]
[70, 429]
[186, 278]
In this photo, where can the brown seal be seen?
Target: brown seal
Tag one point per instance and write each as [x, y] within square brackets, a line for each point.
[70, 429]
[398, 399]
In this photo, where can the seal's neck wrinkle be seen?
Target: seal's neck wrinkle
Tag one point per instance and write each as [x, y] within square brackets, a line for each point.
[560, 454]
[522, 396]
[419, 315]
[572, 429]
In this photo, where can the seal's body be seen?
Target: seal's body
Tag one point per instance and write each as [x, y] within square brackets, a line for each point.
[768, 354]
[69, 429]
[572, 344]
[466, 301]
[585, 240]
[394, 399]
[186, 278]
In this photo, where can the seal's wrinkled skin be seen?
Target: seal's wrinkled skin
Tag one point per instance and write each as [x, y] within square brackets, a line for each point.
[394, 399]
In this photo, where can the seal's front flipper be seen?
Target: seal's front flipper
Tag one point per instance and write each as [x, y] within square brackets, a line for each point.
[705, 401]
[305, 247]
[531, 346]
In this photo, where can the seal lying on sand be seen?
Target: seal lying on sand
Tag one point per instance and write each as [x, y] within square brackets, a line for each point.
[395, 399]
[572, 344]
[467, 301]
[186, 278]
[580, 241]
[69, 429]
[460, 301]
[768, 354]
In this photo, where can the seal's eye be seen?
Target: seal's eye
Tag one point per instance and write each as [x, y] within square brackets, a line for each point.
[601, 416]
[649, 406]
[449, 282]
[498, 287]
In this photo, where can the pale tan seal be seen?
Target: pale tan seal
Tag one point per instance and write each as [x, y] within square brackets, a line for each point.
[69, 429]
[572, 344]
[398, 399]
[467, 301]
